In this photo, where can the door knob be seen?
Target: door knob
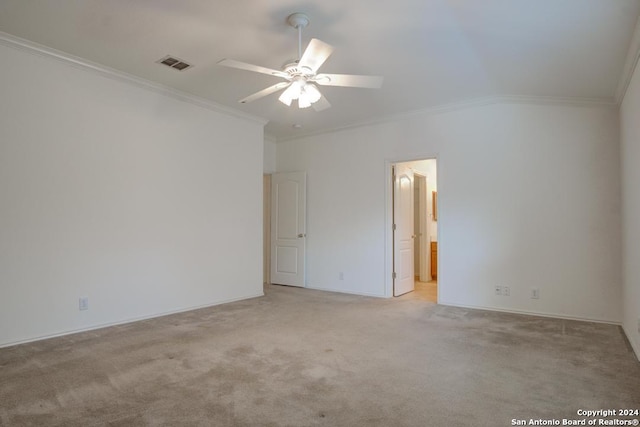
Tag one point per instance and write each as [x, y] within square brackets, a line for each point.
[300, 236]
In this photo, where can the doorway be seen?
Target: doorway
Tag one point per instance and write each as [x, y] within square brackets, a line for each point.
[414, 236]
[288, 229]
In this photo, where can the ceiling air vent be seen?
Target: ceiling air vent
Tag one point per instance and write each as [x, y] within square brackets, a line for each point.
[175, 63]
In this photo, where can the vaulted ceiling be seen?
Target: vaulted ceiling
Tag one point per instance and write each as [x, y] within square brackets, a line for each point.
[430, 52]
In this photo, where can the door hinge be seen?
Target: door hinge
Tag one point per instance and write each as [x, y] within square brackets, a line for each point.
[394, 227]
[394, 275]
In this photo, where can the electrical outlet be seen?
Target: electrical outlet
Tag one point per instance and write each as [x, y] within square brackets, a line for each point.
[498, 290]
[83, 303]
[341, 275]
[535, 293]
[506, 291]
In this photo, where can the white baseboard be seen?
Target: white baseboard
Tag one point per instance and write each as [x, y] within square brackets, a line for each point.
[343, 291]
[634, 346]
[534, 313]
[130, 320]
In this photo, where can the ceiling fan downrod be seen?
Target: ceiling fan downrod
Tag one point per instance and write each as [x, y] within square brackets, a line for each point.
[298, 21]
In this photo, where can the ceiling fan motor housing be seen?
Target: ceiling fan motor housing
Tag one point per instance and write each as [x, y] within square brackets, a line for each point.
[293, 69]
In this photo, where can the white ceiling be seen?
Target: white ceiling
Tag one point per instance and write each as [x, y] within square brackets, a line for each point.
[431, 52]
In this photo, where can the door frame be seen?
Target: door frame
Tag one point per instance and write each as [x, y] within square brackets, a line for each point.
[422, 234]
[266, 228]
[388, 220]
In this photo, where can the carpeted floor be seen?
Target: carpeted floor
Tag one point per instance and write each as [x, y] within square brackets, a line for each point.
[298, 357]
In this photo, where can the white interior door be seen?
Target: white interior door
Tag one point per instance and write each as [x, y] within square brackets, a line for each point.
[403, 230]
[288, 228]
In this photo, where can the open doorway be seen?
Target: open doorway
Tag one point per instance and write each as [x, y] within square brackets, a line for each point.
[415, 231]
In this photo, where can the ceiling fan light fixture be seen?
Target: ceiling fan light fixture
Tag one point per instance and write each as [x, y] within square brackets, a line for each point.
[305, 93]
[286, 100]
[312, 92]
[291, 93]
[304, 101]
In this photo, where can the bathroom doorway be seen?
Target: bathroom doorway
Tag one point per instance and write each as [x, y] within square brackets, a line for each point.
[415, 231]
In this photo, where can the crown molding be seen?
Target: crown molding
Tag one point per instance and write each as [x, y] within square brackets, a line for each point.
[633, 56]
[111, 73]
[471, 103]
[99, 69]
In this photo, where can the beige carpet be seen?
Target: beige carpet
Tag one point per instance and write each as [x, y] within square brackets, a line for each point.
[298, 357]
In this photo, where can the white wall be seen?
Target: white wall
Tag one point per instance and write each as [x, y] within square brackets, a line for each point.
[630, 155]
[527, 197]
[121, 194]
[269, 165]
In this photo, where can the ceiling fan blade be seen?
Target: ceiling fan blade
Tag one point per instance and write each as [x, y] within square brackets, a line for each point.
[264, 92]
[232, 63]
[315, 54]
[349, 80]
[321, 104]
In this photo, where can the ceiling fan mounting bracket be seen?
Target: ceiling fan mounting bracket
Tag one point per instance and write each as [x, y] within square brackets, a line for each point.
[298, 20]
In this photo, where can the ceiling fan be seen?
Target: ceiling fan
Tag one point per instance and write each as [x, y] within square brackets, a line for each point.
[302, 75]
